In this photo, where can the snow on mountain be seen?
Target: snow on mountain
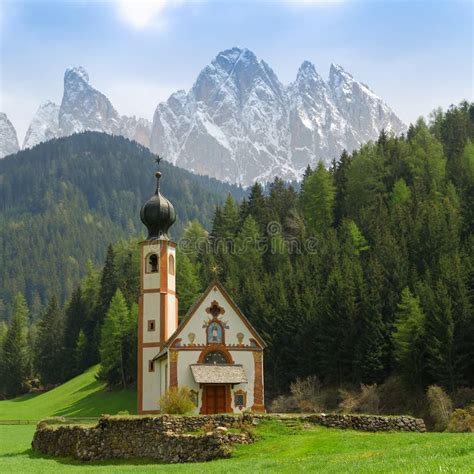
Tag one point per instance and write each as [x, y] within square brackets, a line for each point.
[238, 122]
[83, 108]
[8, 138]
[230, 124]
[138, 129]
[44, 126]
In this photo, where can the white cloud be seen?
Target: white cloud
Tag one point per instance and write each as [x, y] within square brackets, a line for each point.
[141, 14]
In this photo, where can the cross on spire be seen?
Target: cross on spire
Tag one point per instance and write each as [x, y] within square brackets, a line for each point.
[158, 159]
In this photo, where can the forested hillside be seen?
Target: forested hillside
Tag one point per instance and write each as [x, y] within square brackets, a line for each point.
[364, 274]
[63, 201]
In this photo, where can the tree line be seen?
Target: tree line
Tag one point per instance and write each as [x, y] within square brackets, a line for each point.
[367, 270]
[62, 201]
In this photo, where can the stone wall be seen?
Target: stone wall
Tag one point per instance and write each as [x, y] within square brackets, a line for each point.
[367, 422]
[166, 438]
[186, 438]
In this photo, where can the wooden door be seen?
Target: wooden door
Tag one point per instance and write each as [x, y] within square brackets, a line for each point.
[215, 399]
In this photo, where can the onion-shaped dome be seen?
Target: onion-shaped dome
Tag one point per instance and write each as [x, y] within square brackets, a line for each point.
[158, 214]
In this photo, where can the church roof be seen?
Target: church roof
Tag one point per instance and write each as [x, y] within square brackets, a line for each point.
[195, 307]
[210, 373]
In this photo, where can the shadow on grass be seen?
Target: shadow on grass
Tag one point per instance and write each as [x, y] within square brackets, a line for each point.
[25, 398]
[100, 402]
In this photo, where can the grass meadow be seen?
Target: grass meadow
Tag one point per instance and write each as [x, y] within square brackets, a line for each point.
[279, 448]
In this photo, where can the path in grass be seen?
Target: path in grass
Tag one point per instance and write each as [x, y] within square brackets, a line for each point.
[80, 396]
[279, 449]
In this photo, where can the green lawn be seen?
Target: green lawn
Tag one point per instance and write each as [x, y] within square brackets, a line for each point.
[81, 396]
[279, 449]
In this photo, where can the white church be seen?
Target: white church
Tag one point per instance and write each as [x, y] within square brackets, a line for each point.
[214, 351]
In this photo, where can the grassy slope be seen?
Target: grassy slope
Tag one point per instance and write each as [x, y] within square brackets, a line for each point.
[279, 449]
[81, 396]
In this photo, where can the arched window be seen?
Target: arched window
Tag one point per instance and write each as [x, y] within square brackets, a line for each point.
[152, 263]
[171, 265]
[215, 333]
[215, 357]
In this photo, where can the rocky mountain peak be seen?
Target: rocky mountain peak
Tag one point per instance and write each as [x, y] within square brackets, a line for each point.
[44, 126]
[240, 124]
[74, 74]
[8, 137]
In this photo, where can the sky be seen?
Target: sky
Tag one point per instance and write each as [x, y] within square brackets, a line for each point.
[417, 55]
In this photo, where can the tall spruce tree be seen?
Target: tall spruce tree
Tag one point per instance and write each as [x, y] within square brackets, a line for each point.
[15, 367]
[49, 360]
[115, 343]
[75, 322]
[317, 200]
[187, 283]
[409, 339]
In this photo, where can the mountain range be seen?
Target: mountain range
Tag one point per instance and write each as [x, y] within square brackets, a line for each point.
[237, 123]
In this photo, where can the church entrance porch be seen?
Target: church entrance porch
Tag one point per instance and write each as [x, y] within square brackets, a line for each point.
[215, 399]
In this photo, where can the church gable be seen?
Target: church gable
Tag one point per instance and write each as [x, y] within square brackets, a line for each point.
[216, 319]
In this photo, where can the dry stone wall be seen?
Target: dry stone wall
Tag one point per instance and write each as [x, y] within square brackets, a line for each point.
[177, 439]
[165, 438]
[367, 422]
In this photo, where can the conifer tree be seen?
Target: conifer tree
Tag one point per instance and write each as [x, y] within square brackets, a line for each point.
[317, 200]
[49, 350]
[409, 339]
[187, 283]
[80, 353]
[75, 322]
[109, 281]
[114, 356]
[257, 207]
[335, 330]
[15, 354]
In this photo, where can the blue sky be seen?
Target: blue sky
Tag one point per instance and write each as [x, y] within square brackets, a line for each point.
[416, 55]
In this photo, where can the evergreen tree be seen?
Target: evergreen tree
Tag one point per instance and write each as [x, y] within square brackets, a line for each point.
[335, 330]
[257, 207]
[409, 339]
[80, 353]
[75, 322]
[115, 343]
[317, 200]
[187, 283]
[49, 351]
[15, 355]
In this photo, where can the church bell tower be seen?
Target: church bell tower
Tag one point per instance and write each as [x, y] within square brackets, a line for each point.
[158, 305]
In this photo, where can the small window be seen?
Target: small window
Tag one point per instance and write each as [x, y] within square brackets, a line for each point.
[152, 264]
[215, 357]
[171, 264]
[151, 325]
[151, 366]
